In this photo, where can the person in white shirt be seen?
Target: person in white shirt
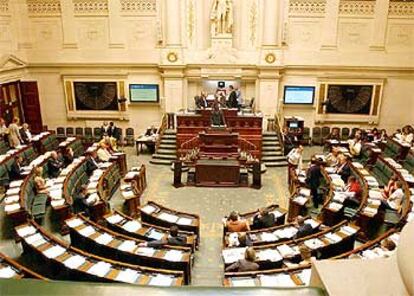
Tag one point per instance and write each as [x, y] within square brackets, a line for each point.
[103, 153]
[294, 157]
[395, 200]
[407, 135]
[355, 145]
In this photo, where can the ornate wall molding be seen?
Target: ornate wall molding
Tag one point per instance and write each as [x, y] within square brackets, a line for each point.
[401, 8]
[4, 6]
[307, 7]
[90, 6]
[191, 23]
[354, 8]
[49, 7]
[138, 6]
[253, 22]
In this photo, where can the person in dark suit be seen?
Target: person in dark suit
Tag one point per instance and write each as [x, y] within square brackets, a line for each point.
[233, 103]
[15, 169]
[152, 130]
[313, 180]
[304, 229]
[105, 129]
[246, 264]
[264, 219]
[91, 162]
[343, 168]
[25, 133]
[68, 156]
[81, 202]
[54, 165]
[173, 239]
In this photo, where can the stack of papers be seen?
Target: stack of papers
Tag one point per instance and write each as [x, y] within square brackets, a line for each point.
[25, 231]
[269, 255]
[132, 226]
[11, 199]
[54, 252]
[35, 240]
[161, 280]
[168, 217]
[348, 230]
[57, 203]
[73, 223]
[87, 231]
[128, 276]
[335, 206]
[100, 269]
[173, 255]
[128, 194]
[243, 282]
[314, 243]
[7, 272]
[313, 223]
[268, 237]
[333, 238]
[233, 254]
[154, 234]
[305, 276]
[144, 251]
[114, 219]
[374, 194]
[287, 232]
[127, 246]
[286, 251]
[104, 239]
[148, 209]
[74, 262]
[300, 200]
[184, 221]
[278, 280]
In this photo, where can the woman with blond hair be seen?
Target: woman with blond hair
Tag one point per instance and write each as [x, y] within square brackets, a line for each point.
[246, 264]
[14, 133]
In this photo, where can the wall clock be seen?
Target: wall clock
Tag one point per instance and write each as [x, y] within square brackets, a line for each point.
[270, 58]
[172, 57]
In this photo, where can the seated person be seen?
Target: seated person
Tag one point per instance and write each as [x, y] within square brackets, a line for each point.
[103, 153]
[355, 145]
[40, 185]
[82, 201]
[304, 229]
[68, 156]
[334, 135]
[390, 187]
[234, 224]
[395, 200]
[151, 131]
[388, 245]
[305, 254]
[343, 169]
[353, 190]
[264, 219]
[16, 168]
[91, 162]
[173, 239]
[332, 157]
[407, 135]
[244, 240]
[246, 264]
[54, 165]
[25, 134]
[109, 143]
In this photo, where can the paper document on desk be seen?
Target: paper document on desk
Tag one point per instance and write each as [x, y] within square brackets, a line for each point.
[333, 238]
[131, 175]
[144, 251]
[104, 239]
[13, 191]
[374, 194]
[268, 237]
[277, 214]
[168, 217]
[314, 243]
[173, 255]
[233, 254]
[35, 240]
[243, 282]
[100, 269]
[73, 223]
[57, 203]
[286, 251]
[74, 262]
[7, 272]
[278, 280]
[348, 230]
[128, 194]
[128, 276]
[127, 246]
[148, 209]
[313, 223]
[132, 226]
[16, 183]
[54, 252]
[300, 200]
[11, 199]
[87, 231]
[12, 207]
[154, 234]
[114, 219]
[269, 255]
[305, 276]
[184, 221]
[25, 231]
[161, 280]
[286, 232]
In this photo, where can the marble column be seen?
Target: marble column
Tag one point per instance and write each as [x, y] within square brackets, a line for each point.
[270, 23]
[267, 89]
[173, 23]
[379, 27]
[330, 25]
[116, 26]
[70, 37]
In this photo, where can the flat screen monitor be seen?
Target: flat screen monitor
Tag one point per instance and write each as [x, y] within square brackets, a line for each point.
[299, 95]
[293, 124]
[144, 93]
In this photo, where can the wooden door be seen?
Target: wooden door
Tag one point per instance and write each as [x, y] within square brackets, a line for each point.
[31, 105]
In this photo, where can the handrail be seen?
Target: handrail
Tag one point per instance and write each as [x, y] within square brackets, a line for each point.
[278, 129]
[161, 130]
[190, 145]
[246, 146]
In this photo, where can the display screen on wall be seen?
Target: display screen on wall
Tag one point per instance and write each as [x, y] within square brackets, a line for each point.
[144, 93]
[349, 99]
[96, 96]
[299, 95]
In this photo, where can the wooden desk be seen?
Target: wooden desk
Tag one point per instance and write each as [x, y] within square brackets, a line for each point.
[217, 173]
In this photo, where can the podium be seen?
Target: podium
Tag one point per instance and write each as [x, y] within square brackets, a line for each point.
[217, 173]
[219, 142]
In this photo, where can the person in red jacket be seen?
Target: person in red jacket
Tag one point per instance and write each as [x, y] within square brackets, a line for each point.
[353, 190]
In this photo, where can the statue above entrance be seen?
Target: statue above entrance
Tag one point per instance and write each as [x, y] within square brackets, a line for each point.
[221, 18]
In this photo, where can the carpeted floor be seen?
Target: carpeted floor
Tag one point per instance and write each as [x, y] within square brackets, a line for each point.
[212, 204]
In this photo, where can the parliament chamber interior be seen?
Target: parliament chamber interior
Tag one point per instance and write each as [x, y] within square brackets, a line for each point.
[206, 147]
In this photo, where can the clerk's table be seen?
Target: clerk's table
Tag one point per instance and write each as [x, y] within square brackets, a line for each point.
[211, 172]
